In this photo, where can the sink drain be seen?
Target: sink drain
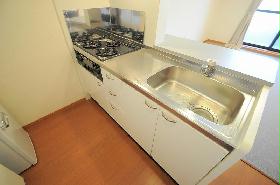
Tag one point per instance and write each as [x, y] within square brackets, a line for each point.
[205, 113]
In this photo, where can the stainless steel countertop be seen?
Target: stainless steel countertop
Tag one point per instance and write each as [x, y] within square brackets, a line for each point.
[249, 63]
[136, 67]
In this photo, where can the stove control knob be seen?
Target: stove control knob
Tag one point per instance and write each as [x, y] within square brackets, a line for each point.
[98, 70]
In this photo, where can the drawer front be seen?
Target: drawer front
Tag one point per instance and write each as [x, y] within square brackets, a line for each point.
[111, 82]
[113, 88]
[116, 112]
[100, 95]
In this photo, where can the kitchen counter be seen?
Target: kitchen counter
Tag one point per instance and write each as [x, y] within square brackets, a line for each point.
[251, 64]
[136, 67]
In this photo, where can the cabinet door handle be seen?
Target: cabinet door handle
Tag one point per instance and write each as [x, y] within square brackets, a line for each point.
[4, 121]
[112, 94]
[167, 119]
[112, 106]
[99, 83]
[108, 77]
[148, 105]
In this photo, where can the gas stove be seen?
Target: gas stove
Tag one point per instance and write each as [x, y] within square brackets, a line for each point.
[104, 44]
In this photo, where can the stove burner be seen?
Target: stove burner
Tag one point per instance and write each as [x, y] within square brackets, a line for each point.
[86, 34]
[104, 44]
[89, 44]
[80, 38]
[138, 36]
[105, 52]
[96, 37]
[113, 43]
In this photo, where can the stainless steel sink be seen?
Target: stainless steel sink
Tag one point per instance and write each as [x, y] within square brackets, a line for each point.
[204, 96]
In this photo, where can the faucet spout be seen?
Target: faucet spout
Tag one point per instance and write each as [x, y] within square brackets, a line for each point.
[209, 69]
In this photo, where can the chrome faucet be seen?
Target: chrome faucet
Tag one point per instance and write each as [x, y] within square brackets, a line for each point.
[209, 68]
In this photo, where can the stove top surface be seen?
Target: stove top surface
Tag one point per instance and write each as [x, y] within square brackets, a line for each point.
[102, 44]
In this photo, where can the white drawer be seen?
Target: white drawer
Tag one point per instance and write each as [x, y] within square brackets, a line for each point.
[110, 81]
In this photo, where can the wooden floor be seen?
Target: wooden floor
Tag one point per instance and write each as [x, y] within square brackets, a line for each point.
[82, 145]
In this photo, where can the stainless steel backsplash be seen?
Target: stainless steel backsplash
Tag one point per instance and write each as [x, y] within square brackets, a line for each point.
[111, 19]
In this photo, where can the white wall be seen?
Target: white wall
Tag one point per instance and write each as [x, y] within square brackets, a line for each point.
[36, 72]
[81, 4]
[200, 20]
[188, 18]
[225, 17]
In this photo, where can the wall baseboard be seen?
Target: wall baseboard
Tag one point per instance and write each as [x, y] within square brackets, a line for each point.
[59, 111]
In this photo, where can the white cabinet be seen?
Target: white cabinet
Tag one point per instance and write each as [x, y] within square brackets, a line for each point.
[99, 94]
[186, 154]
[117, 113]
[93, 86]
[112, 87]
[141, 115]
[89, 82]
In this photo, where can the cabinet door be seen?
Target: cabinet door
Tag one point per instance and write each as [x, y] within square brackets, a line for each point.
[89, 81]
[186, 154]
[117, 113]
[141, 115]
[100, 95]
[93, 86]
[111, 82]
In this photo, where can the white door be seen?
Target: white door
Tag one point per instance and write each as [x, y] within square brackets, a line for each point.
[93, 86]
[141, 114]
[88, 81]
[186, 154]
[117, 113]
[12, 134]
[7, 177]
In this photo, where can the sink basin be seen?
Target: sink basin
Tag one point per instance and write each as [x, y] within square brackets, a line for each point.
[204, 96]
